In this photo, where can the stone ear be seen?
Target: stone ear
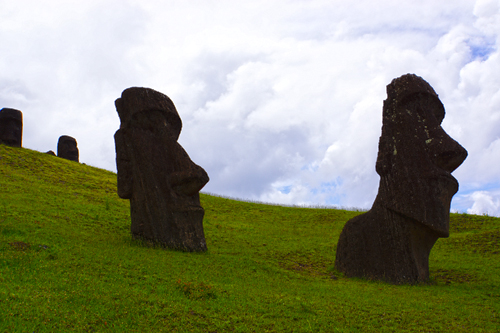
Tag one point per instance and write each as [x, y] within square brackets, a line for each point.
[123, 166]
[385, 155]
[386, 144]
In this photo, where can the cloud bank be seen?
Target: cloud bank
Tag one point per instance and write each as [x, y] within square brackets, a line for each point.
[281, 101]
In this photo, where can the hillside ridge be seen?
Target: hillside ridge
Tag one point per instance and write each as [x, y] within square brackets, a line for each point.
[68, 263]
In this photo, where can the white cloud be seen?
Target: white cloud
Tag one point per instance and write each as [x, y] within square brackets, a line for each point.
[484, 203]
[281, 100]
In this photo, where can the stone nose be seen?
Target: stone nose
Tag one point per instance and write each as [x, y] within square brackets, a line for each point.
[449, 154]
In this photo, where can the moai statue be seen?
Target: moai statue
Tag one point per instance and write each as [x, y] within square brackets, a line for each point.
[11, 127]
[393, 240]
[67, 148]
[156, 174]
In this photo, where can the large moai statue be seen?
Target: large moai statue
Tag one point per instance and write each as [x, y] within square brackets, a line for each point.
[11, 127]
[67, 148]
[393, 240]
[156, 174]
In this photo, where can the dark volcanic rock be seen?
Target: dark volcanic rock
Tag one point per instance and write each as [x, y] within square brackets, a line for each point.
[11, 127]
[393, 240]
[156, 174]
[50, 152]
[67, 148]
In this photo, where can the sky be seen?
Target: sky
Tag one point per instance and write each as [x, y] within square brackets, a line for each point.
[281, 101]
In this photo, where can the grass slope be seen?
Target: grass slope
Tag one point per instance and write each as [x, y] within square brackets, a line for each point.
[68, 263]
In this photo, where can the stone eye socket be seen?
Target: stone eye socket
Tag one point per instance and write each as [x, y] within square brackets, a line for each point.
[427, 107]
[149, 120]
[430, 109]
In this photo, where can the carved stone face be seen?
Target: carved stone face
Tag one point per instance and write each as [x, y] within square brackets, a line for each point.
[11, 127]
[416, 158]
[156, 173]
[67, 148]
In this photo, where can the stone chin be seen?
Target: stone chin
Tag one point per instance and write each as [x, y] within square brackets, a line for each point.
[446, 187]
[425, 200]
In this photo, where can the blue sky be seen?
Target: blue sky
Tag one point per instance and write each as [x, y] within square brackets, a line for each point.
[281, 100]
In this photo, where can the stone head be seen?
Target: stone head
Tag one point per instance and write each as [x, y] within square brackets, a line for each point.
[11, 127]
[416, 156]
[67, 148]
[148, 110]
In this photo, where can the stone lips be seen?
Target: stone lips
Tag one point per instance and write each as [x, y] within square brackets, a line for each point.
[393, 240]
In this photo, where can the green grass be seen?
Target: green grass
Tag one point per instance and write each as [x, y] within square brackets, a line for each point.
[68, 263]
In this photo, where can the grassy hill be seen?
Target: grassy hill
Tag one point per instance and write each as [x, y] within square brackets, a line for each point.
[68, 263]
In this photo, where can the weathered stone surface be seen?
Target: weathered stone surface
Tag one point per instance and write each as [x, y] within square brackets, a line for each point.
[156, 174]
[50, 152]
[11, 127]
[393, 240]
[67, 148]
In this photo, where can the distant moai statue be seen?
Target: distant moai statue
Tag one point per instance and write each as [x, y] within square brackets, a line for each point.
[11, 127]
[156, 174]
[393, 240]
[67, 148]
[50, 152]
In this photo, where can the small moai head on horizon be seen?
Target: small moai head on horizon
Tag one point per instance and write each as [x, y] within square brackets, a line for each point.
[67, 148]
[11, 127]
[416, 156]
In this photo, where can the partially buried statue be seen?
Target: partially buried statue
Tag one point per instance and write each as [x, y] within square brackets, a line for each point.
[11, 127]
[393, 240]
[156, 174]
[67, 148]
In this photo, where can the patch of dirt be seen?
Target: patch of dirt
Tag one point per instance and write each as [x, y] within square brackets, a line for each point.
[20, 246]
[449, 276]
[307, 264]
